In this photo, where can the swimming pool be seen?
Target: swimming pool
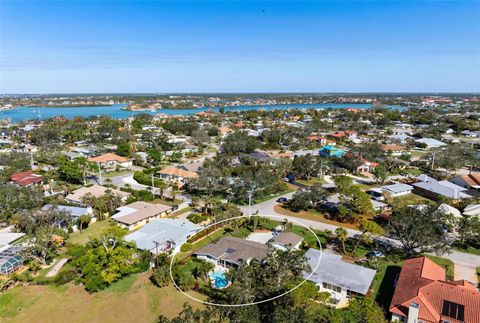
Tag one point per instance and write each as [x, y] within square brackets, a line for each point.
[219, 279]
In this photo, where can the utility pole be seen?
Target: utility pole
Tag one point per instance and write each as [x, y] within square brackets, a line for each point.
[32, 164]
[153, 185]
[100, 174]
[321, 168]
[433, 159]
[250, 194]
[156, 253]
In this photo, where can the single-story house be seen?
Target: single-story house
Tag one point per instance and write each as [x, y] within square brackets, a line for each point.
[366, 167]
[173, 173]
[163, 235]
[394, 150]
[192, 166]
[111, 161]
[286, 241]
[10, 252]
[431, 143]
[229, 252]
[331, 151]
[472, 210]
[422, 294]
[431, 188]
[401, 138]
[393, 190]
[75, 211]
[96, 191]
[27, 178]
[470, 181]
[137, 214]
[341, 279]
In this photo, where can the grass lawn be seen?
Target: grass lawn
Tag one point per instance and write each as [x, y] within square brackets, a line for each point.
[313, 216]
[269, 197]
[179, 212]
[445, 263]
[312, 181]
[470, 250]
[167, 202]
[93, 230]
[382, 288]
[411, 199]
[129, 300]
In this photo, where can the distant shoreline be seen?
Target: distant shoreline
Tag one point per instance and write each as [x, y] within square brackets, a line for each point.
[66, 106]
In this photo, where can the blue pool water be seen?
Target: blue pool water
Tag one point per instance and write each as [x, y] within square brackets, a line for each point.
[219, 279]
[115, 111]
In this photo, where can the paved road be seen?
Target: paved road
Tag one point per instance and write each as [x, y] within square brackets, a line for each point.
[465, 264]
[58, 265]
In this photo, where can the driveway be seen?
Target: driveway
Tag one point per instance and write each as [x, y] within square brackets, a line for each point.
[465, 264]
[122, 180]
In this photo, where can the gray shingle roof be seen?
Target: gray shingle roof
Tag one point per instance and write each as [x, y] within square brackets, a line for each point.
[234, 250]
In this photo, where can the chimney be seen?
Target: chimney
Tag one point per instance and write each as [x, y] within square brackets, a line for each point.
[413, 313]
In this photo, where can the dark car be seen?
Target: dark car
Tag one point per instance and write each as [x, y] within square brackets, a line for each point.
[282, 200]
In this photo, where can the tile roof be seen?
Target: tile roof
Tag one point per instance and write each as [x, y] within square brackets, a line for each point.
[421, 281]
[178, 172]
[95, 190]
[139, 211]
[108, 157]
[26, 178]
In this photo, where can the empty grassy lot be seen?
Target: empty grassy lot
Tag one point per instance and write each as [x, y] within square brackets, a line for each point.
[133, 299]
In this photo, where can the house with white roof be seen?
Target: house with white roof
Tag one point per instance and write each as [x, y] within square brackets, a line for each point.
[341, 279]
[163, 235]
[431, 188]
[430, 142]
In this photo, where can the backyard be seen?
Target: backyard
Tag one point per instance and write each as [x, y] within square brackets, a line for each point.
[132, 299]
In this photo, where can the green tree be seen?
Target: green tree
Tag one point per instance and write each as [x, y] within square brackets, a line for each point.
[239, 142]
[342, 236]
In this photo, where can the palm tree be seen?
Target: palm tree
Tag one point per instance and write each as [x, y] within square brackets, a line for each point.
[342, 236]
[174, 191]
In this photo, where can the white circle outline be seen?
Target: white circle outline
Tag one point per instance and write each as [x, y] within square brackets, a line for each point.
[258, 302]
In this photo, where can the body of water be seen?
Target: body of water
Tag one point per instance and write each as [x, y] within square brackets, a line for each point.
[115, 111]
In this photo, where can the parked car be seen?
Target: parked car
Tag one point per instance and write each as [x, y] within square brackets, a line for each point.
[282, 200]
[375, 254]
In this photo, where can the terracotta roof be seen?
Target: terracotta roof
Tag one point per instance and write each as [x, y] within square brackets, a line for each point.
[95, 190]
[392, 148]
[423, 282]
[26, 178]
[472, 179]
[178, 172]
[108, 157]
[139, 211]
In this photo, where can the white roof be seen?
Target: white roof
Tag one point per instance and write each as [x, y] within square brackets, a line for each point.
[430, 142]
[472, 209]
[161, 231]
[337, 272]
[447, 209]
[7, 238]
[397, 188]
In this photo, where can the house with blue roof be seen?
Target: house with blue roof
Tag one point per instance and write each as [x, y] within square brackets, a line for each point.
[331, 151]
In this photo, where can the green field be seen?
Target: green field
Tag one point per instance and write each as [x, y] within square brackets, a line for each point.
[132, 299]
[93, 230]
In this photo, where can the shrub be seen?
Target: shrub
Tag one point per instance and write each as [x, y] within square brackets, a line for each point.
[186, 247]
[65, 276]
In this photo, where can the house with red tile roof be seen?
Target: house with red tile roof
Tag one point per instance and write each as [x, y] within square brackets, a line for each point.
[27, 178]
[111, 161]
[423, 295]
[470, 181]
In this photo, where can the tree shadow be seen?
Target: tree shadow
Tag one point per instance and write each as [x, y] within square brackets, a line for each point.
[387, 287]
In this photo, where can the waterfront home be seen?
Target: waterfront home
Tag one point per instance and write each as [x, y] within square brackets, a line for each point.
[163, 235]
[331, 151]
[341, 279]
[137, 214]
[96, 191]
[229, 252]
[27, 178]
[111, 161]
[423, 295]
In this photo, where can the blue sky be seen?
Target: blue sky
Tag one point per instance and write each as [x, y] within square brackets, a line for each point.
[233, 46]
